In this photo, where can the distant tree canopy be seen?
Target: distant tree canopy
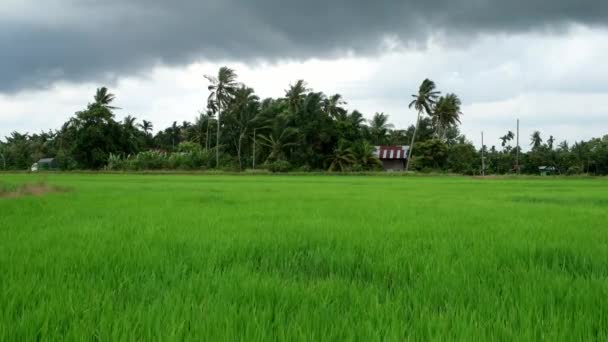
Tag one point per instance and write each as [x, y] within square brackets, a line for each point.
[303, 130]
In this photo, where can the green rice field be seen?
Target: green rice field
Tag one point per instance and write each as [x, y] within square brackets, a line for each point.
[314, 258]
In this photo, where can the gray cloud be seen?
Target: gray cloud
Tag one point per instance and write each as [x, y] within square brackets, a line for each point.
[79, 40]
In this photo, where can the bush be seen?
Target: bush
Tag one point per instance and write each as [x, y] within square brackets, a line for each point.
[305, 168]
[155, 160]
[279, 166]
[574, 170]
[188, 147]
[357, 168]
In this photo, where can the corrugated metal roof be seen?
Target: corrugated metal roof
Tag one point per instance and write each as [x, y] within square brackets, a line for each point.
[391, 152]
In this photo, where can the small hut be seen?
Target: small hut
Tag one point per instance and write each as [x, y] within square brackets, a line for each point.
[547, 170]
[393, 157]
[45, 164]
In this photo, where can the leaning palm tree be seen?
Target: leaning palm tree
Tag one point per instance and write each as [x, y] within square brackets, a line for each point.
[221, 91]
[446, 114]
[506, 138]
[424, 101]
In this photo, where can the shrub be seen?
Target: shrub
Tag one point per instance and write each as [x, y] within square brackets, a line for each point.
[279, 166]
[575, 170]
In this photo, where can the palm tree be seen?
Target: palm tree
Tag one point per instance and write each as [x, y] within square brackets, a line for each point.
[446, 114]
[129, 122]
[535, 140]
[246, 107]
[3, 160]
[280, 137]
[379, 127]
[364, 154]
[199, 130]
[174, 134]
[550, 142]
[424, 100]
[341, 158]
[295, 94]
[221, 90]
[103, 98]
[331, 106]
[506, 138]
[146, 126]
[356, 119]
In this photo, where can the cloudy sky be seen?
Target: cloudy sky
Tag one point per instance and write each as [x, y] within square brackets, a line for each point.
[542, 61]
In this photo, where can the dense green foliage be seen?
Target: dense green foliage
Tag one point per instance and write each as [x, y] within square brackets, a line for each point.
[303, 130]
[304, 258]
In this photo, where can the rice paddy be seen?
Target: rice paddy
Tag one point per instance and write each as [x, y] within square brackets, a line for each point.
[195, 257]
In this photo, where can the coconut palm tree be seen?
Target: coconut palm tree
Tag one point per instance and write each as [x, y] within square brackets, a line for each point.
[199, 130]
[379, 127]
[535, 140]
[3, 160]
[446, 114]
[174, 134]
[103, 98]
[550, 142]
[221, 90]
[341, 158]
[246, 107]
[146, 126]
[506, 138]
[129, 122]
[331, 106]
[364, 155]
[280, 137]
[295, 94]
[424, 101]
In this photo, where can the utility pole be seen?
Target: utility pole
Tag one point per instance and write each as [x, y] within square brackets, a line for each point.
[254, 147]
[483, 163]
[517, 152]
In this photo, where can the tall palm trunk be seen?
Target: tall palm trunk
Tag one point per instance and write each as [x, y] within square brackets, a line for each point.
[217, 138]
[409, 157]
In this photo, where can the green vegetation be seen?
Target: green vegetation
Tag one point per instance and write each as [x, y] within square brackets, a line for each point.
[157, 257]
[303, 130]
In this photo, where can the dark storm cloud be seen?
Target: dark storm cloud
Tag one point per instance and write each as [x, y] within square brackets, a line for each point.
[80, 40]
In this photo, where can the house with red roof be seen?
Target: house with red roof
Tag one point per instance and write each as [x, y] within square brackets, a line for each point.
[393, 157]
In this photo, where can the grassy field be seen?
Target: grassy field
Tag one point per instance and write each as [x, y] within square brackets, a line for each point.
[161, 257]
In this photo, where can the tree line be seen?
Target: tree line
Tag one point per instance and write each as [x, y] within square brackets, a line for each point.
[304, 130]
